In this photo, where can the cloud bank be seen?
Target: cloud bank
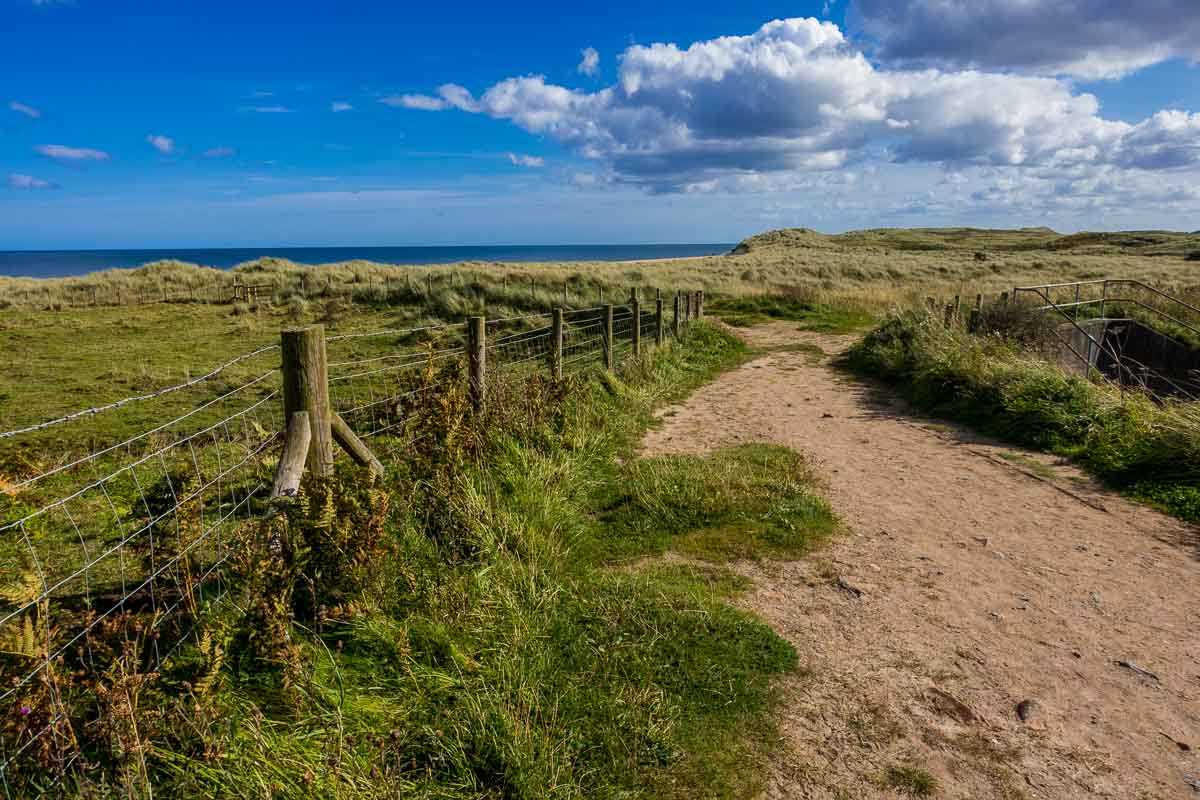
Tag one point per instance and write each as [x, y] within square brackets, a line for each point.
[796, 96]
[1083, 38]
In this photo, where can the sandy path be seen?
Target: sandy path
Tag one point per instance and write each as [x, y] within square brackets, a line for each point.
[982, 587]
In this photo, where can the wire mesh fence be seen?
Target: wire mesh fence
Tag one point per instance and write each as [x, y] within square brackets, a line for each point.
[132, 539]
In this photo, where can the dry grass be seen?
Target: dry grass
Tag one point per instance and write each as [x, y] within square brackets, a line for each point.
[876, 269]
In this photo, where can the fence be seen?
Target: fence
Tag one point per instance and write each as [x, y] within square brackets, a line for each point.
[134, 538]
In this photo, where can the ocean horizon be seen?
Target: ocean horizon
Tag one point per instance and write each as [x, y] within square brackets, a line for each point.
[65, 263]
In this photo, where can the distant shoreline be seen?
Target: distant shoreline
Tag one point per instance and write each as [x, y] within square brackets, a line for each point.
[71, 263]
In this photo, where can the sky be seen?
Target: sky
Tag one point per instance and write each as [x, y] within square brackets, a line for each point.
[173, 124]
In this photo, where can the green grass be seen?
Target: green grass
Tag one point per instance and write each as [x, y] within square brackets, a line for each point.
[749, 501]
[745, 311]
[1149, 451]
[516, 643]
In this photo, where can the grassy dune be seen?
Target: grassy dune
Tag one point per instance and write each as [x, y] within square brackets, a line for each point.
[877, 267]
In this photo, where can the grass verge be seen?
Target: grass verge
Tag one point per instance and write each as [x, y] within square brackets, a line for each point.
[1149, 451]
[795, 305]
[464, 632]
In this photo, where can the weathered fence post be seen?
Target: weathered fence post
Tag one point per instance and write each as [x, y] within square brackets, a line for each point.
[556, 345]
[306, 388]
[608, 338]
[565, 302]
[295, 453]
[973, 321]
[948, 319]
[1004, 298]
[687, 309]
[636, 305]
[957, 308]
[675, 318]
[699, 304]
[658, 322]
[429, 284]
[477, 360]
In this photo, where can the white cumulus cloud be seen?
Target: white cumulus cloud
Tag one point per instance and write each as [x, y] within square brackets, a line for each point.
[163, 144]
[796, 95]
[61, 152]
[590, 63]
[338, 106]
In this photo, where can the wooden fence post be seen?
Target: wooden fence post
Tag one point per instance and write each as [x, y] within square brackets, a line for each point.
[556, 345]
[295, 453]
[973, 319]
[565, 301]
[306, 388]
[608, 338]
[636, 305]
[477, 360]
[948, 317]
[675, 318]
[1004, 298]
[658, 322]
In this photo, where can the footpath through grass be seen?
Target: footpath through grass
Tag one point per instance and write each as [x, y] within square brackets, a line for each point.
[1147, 450]
[484, 623]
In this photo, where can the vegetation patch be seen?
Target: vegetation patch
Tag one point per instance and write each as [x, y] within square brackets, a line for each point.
[741, 502]
[911, 780]
[457, 628]
[794, 305]
[996, 385]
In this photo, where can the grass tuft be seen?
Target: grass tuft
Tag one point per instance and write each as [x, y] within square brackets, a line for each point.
[911, 780]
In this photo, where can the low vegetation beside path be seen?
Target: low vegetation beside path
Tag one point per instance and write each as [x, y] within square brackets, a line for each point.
[484, 621]
[996, 383]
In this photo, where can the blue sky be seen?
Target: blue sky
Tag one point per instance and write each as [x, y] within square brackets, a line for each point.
[138, 124]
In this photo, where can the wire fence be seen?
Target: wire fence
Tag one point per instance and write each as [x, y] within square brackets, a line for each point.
[133, 539]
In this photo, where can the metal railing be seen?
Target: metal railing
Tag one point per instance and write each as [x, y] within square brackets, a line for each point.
[1129, 371]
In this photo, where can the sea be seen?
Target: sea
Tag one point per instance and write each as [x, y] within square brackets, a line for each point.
[62, 263]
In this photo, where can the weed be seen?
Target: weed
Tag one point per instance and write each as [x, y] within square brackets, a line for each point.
[911, 780]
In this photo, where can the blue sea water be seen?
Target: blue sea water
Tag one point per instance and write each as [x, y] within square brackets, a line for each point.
[60, 263]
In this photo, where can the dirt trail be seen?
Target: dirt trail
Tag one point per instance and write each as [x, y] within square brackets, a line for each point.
[987, 578]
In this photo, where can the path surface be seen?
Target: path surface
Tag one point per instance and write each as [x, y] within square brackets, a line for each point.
[982, 585]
